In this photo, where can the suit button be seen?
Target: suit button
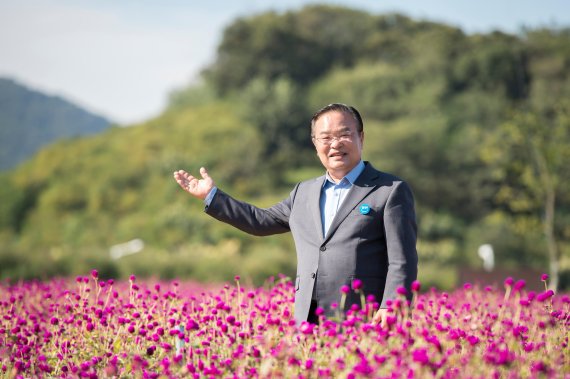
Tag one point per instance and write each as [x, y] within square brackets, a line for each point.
[313, 275]
[323, 248]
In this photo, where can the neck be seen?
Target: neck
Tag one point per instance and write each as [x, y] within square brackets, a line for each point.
[337, 176]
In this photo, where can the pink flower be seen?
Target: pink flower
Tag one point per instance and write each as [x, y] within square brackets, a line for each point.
[345, 289]
[94, 274]
[519, 285]
[545, 296]
[306, 327]
[132, 278]
[509, 282]
[473, 340]
[356, 284]
[401, 291]
[421, 356]
[416, 286]
[544, 277]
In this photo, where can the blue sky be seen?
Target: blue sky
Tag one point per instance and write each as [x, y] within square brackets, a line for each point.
[121, 58]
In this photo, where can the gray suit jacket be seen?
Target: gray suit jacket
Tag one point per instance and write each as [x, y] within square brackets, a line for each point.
[378, 247]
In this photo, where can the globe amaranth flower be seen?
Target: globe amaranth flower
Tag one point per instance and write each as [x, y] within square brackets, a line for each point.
[545, 296]
[509, 282]
[416, 286]
[519, 285]
[356, 284]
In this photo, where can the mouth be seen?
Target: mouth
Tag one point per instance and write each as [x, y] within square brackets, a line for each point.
[335, 155]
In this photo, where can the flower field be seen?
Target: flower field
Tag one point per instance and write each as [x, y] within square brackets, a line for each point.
[89, 327]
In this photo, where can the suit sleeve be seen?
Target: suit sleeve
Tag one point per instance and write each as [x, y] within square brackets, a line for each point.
[401, 233]
[249, 218]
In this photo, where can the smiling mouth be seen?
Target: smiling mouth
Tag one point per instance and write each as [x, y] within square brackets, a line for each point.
[337, 155]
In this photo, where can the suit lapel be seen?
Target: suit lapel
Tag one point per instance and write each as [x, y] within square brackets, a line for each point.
[363, 185]
[315, 204]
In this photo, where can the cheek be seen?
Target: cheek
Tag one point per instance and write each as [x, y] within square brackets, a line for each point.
[322, 152]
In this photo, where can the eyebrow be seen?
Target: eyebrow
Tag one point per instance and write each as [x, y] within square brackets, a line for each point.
[342, 131]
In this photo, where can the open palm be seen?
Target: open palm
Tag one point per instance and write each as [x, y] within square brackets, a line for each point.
[196, 187]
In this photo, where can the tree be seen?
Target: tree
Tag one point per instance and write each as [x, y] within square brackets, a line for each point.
[530, 156]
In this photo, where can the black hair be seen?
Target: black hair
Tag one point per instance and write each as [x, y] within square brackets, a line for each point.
[347, 109]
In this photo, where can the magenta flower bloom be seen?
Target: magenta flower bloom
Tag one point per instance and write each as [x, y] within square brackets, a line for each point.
[544, 277]
[237, 278]
[401, 291]
[519, 285]
[197, 330]
[356, 284]
[132, 278]
[345, 289]
[545, 296]
[94, 274]
[509, 282]
[416, 286]
[306, 327]
[421, 356]
[473, 340]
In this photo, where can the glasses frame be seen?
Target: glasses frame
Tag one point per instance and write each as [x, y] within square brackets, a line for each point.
[328, 140]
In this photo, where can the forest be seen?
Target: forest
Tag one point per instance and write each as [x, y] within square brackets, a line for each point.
[478, 124]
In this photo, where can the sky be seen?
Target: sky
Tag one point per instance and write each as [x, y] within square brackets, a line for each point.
[122, 58]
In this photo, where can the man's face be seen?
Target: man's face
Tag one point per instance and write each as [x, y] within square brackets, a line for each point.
[343, 151]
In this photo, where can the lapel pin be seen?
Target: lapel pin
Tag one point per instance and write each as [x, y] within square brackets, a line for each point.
[364, 209]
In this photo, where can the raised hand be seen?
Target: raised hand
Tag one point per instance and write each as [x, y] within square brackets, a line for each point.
[196, 187]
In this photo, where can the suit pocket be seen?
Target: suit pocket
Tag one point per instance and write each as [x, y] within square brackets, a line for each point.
[297, 281]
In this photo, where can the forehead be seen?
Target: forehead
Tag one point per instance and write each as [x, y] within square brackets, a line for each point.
[335, 122]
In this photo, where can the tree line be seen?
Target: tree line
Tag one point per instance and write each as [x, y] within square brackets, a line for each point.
[477, 124]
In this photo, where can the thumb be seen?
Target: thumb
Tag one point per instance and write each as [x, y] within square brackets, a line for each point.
[204, 173]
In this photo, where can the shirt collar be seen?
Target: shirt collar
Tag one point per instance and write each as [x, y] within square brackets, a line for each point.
[350, 177]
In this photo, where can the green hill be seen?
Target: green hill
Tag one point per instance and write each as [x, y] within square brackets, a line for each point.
[477, 124]
[30, 120]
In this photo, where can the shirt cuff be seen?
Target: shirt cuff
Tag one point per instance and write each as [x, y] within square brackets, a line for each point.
[210, 196]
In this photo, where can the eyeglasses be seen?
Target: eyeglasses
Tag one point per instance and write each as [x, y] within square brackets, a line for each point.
[328, 140]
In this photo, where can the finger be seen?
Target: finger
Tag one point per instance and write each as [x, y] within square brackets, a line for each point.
[179, 174]
[204, 173]
[179, 178]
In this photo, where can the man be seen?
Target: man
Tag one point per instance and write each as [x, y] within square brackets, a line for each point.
[354, 222]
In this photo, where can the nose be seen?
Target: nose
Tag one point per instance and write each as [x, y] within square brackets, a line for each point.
[336, 141]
